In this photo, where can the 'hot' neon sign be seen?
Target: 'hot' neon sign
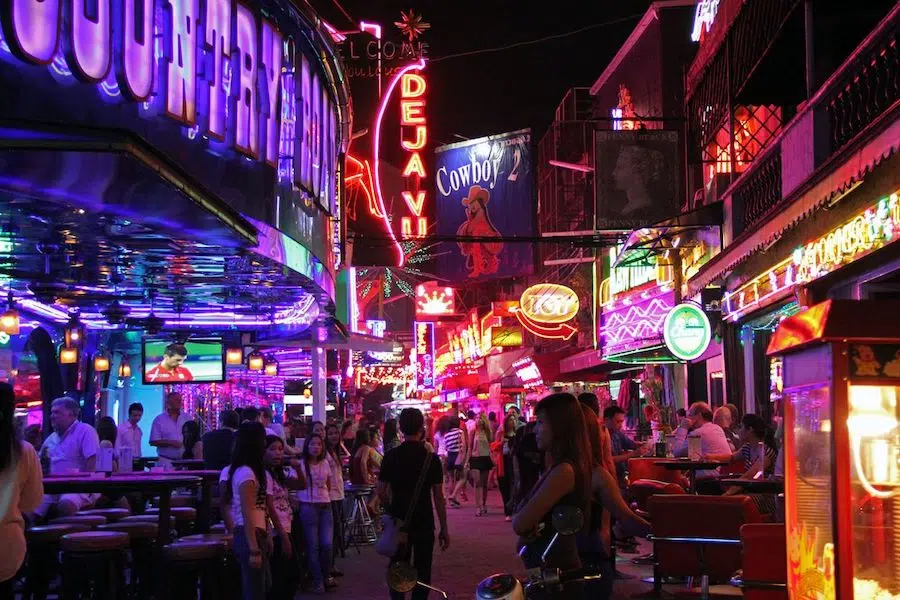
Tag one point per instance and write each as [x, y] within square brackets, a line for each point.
[545, 309]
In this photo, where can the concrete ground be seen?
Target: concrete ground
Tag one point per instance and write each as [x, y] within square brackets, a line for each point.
[479, 546]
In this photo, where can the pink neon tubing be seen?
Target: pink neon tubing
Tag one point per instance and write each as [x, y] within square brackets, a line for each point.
[417, 66]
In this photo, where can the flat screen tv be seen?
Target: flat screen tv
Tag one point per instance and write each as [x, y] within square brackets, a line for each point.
[194, 361]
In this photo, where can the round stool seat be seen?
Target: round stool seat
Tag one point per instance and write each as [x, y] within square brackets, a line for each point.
[218, 528]
[199, 550]
[136, 530]
[89, 520]
[94, 541]
[52, 533]
[181, 513]
[360, 490]
[112, 514]
[146, 519]
[178, 500]
[221, 538]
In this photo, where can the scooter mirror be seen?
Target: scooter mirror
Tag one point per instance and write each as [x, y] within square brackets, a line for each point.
[568, 520]
[402, 577]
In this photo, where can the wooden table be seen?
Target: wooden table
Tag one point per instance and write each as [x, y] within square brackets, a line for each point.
[208, 480]
[756, 486]
[188, 464]
[148, 483]
[691, 466]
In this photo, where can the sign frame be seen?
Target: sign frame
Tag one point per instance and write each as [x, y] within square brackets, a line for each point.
[672, 343]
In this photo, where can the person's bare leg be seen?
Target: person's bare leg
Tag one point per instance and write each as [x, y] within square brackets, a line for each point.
[484, 489]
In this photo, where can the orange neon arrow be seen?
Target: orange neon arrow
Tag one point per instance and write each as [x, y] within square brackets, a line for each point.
[558, 331]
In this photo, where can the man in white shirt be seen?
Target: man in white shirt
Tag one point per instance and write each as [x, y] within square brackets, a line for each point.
[266, 418]
[71, 448]
[165, 432]
[712, 438]
[130, 434]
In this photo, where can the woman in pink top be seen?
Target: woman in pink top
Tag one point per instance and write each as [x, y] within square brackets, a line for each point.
[21, 491]
[315, 512]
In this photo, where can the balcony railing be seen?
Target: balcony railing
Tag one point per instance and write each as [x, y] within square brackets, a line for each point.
[844, 113]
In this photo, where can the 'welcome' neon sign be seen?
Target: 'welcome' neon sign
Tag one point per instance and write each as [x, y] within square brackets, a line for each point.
[216, 67]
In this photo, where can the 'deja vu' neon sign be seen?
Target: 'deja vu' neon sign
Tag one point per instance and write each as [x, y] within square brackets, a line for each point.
[216, 66]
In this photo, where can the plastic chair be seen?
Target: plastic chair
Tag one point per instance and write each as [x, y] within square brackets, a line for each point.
[764, 560]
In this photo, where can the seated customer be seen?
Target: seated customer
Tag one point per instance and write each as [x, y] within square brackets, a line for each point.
[758, 453]
[713, 444]
[72, 447]
[623, 447]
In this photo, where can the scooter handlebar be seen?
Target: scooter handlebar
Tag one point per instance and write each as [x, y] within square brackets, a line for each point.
[580, 574]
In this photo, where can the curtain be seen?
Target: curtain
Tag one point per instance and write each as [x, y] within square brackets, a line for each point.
[734, 364]
[761, 373]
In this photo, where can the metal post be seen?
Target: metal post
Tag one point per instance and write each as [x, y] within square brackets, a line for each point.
[319, 385]
[809, 49]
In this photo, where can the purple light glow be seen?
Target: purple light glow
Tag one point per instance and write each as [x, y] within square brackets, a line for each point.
[133, 43]
[631, 325]
[181, 63]
[302, 170]
[246, 131]
[218, 45]
[272, 63]
[35, 28]
[88, 44]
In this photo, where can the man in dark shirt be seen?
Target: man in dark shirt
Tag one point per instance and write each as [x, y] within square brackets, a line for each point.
[623, 447]
[400, 471]
[217, 444]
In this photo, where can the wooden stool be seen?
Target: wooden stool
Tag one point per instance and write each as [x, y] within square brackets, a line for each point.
[112, 514]
[148, 519]
[142, 537]
[93, 564]
[184, 516]
[232, 577]
[178, 501]
[188, 563]
[218, 528]
[42, 565]
[89, 520]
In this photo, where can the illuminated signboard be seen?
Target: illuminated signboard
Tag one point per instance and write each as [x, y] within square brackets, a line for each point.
[413, 139]
[704, 18]
[865, 233]
[528, 372]
[435, 300]
[545, 309]
[465, 343]
[424, 345]
[634, 324]
[229, 75]
[636, 274]
[376, 327]
[687, 331]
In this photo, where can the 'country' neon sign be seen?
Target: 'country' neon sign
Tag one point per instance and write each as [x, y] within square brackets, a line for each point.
[217, 67]
[545, 309]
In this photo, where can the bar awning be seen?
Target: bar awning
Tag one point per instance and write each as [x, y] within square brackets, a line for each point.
[684, 231]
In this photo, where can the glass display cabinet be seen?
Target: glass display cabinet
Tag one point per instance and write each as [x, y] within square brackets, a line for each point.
[841, 370]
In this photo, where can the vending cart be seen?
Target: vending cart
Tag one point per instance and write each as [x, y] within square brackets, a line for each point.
[841, 369]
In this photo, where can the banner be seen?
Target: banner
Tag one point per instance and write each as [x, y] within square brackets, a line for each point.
[636, 177]
[424, 343]
[485, 190]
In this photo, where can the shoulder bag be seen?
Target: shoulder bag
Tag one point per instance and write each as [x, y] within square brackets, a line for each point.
[393, 534]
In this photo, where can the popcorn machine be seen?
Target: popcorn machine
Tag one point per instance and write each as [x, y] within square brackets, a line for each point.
[841, 449]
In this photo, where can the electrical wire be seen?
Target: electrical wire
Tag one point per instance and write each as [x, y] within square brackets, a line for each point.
[535, 41]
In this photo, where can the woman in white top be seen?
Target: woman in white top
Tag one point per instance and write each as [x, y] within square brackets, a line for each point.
[333, 453]
[21, 491]
[246, 495]
[315, 512]
[281, 479]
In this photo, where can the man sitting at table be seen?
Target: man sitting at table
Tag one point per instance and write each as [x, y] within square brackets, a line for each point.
[623, 447]
[166, 431]
[217, 444]
[71, 448]
[712, 438]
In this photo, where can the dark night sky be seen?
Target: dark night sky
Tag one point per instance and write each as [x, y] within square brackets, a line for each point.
[510, 89]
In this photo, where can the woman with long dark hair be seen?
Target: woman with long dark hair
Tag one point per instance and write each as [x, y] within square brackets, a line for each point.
[282, 479]
[193, 447]
[245, 493]
[336, 491]
[391, 435]
[562, 436]
[365, 462]
[315, 512]
[505, 436]
[21, 491]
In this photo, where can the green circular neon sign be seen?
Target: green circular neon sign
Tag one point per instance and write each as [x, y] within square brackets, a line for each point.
[687, 331]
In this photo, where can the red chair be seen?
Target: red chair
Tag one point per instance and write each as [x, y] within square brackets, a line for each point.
[764, 561]
[641, 490]
[643, 468]
[698, 536]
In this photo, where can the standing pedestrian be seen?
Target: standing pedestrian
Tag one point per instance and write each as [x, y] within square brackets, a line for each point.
[481, 462]
[284, 558]
[315, 512]
[397, 482]
[505, 437]
[336, 491]
[166, 431]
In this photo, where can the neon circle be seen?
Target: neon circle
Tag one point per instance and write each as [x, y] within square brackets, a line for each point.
[687, 331]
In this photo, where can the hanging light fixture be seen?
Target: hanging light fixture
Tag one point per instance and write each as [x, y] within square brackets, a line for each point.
[272, 367]
[74, 332]
[124, 368]
[68, 356]
[101, 362]
[234, 356]
[255, 361]
[9, 320]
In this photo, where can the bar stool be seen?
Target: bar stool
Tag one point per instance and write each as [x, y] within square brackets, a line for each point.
[112, 514]
[185, 517]
[360, 528]
[42, 565]
[232, 573]
[90, 520]
[93, 564]
[218, 528]
[141, 537]
[178, 500]
[188, 563]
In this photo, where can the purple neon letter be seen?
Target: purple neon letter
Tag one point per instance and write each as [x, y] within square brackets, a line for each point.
[217, 42]
[31, 28]
[181, 70]
[88, 48]
[315, 140]
[246, 133]
[304, 125]
[133, 43]
[272, 62]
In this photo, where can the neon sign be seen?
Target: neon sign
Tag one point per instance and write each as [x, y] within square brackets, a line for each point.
[376, 327]
[218, 68]
[434, 300]
[424, 346]
[622, 279]
[634, 325]
[865, 233]
[704, 18]
[528, 372]
[413, 121]
[687, 331]
[545, 309]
